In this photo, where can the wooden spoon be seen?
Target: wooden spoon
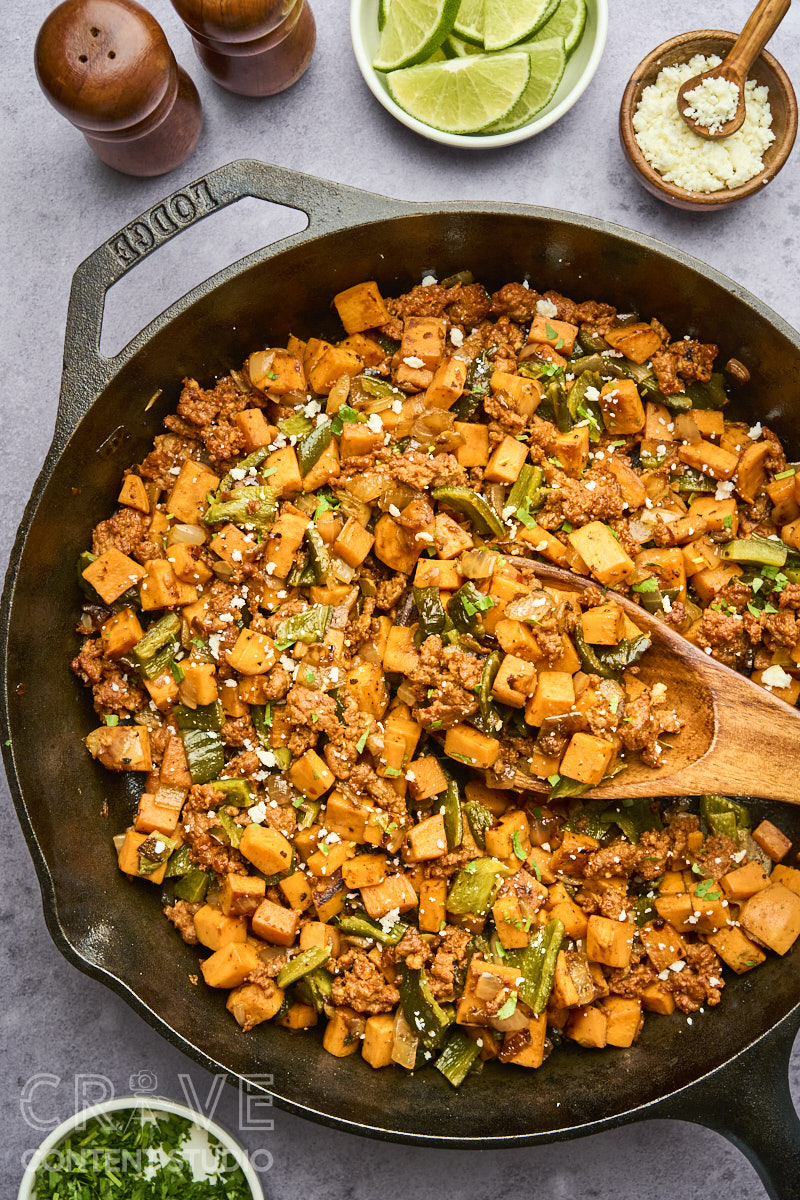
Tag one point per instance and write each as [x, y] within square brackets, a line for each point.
[763, 21]
[737, 739]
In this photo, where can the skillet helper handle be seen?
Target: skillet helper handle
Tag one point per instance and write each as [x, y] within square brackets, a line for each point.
[328, 206]
[749, 1102]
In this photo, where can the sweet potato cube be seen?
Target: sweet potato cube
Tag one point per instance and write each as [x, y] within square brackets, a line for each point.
[772, 916]
[624, 1018]
[233, 545]
[561, 905]
[447, 383]
[663, 946]
[365, 682]
[475, 451]
[601, 552]
[423, 339]
[241, 895]
[365, 870]
[500, 838]
[128, 857]
[275, 924]
[658, 999]
[515, 681]
[188, 569]
[329, 858]
[736, 950]
[285, 478]
[230, 965]
[376, 1047]
[571, 450]
[276, 371]
[121, 747]
[588, 1027]
[361, 307]
[285, 539]
[525, 394]
[188, 499]
[603, 625]
[339, 1038]
[710, 459]
[395, 892]
[609, 942]
[717, 515]
[659, 423]
[134, 494]
[621, 406]
[772, 840]
[253, 1003]
[317, 935]
[199, 683]
[311, 775]
[505, 462]
[253, 653]
[432, 904]
[120, 633]
[788, 876]
[328, 897]
[532, 1053]
[450, 538]
[426, 840]
[215, 929]
[428, 779]
[545, 543]
[471, 746]
[366, 348]
[550, 332]
[516, 638]
[745, 881]
[709, 583]
[394, 547]
[354, 543]
[255, 428]
[161, 588]
[789, 533]
[509, 921]
[266, 849]
[631, 486]
[587, 758]
[297, 890]
[676, 908]
[401, 655]
[112, 573]
[752, 474]
[554, 696]
[152, 817]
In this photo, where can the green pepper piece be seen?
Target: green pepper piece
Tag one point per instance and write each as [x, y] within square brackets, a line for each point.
[301, 964]
[313, 446]
[163, 637]
[254, 506]
[432, 617]
[205, 716]
[360, 925]
[316, 988]
[527, 491]
[644, 910]
[678, 402]
[564, 786]
[488, 675]
[592, 343]
[761, 552]
[307, 627]
[307, 813]
[193, 886]
[233, 830]
[283, 757]
[236, 792]
[456, 1060]
[588, 818]
[179, 863]
[536, 368]
[318, 555]
[465, 608]
[451, 804]
[479, 820]
[693, 481]
[557, 395]
[254, 459]
[709, 395]
[380, 389]
[304, 576]
[536, 963]
[585, 408]
[153, 853]
[475, 885]
[717, 811]
[205, 755]
[298, 425]
[610, 661]
[472, 506]
[424, 1014]
[634, 817]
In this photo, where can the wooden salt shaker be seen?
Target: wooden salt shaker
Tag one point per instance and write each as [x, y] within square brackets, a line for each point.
[252, 47]
[106, 66]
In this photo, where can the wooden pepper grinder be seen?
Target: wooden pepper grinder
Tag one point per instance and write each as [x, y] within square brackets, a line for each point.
[106, 66]
[252, 47]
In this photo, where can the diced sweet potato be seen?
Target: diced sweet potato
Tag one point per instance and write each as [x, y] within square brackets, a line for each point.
[663, 946]
[161, 588]
[113, 573]
[276, 371]
[609, 941]
[266, 849]
[424, 340]
[361, 307]
[395, 892]
[341, 1037]
[554, 695]
[365, 870]
[230, 965]
[772, 916]
[475, 451]
[736, 950]
[772, 840]
[637, 342]
[376, 1047]
[275, 924]
[751, 475]
[353, 543]
[285, 539]
[400, 655]
[505, 462]
[514, 682]
[284, 478]
[311, 775]
[134, 494]
[745, 881]
[426, 840]
[621, 406]
[329, 858]
[588, 1027]
[525, 394]
[603, 625]
[602, 553]
[716, 515]
[550, 332]
[532, 1053]
[426, 778]
[253, 1003]
[545, 543]
[120, 633]
[432, 904]
[216, 929]
[447, 383]
[393, 547]
[710, 459]
[121, 747]
[469, 745]
[152, 817]
[624, 1018]
[788, 876]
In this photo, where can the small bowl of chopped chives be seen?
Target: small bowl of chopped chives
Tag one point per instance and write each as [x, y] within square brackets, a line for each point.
[149, 1148]
[677, 165]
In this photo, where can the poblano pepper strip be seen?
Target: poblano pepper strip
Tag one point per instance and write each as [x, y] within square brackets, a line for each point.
[153, 853]
[315, 988]
[254, 459]
[757, 551]
[360, 925]
[193, 886]
[301, 964]
[722, 815]
[450, 801]
[465, 608]
[488, 675]
[308, 627]
[235, 791]
[475, 885]
[472, 506]
[205, 716]
[426, 1017]
[205, 754]
[634, 817]
[313, 446]
[298, 425]
[479, 820]
[179, 863]
[157, 648]
[610, 661]
[536, 963]
[458, 1057]
[318, 555]
[432, 617]
[256, 506]
[232, 829]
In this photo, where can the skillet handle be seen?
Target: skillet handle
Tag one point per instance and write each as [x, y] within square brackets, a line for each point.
[749, 1102]
[329, 206]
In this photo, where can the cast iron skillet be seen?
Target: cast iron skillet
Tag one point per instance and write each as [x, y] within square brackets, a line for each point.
[726, 1070]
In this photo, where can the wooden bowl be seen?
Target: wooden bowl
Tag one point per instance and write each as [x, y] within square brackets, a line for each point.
[765, 70]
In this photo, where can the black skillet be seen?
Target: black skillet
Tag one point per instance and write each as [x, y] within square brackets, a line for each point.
[727, 1069]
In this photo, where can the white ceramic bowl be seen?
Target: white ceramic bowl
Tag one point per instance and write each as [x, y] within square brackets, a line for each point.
[577, 77]
[154, 1103]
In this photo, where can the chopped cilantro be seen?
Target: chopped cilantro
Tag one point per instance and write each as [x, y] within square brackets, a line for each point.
[509, 1008]
[362, 741]
[536, 869]
[272, 374]
[754, 610]
[465, 758]
[524, 516]
[516, 842]
[469, 868]
[548, 328]
[705, 890]
[393, 771]
[110, 719]
[553, 779]
[784, 474]
[178, 673]
[537, 812]
[727, 522]
[566, 527]
[310, 676]
[436, 724]
[647, 585]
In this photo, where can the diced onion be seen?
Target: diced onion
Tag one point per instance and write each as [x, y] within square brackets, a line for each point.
[404, 1044]
[366, 487]
[511, 1024]
[222, 569]
[186, 535]
[119, 841]
[342, 570]
[478, 564]
[405, 693]
[686, 428]
[488, 986]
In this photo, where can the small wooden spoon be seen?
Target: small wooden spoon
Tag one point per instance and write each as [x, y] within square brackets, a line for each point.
[763, 21]
[737, 738]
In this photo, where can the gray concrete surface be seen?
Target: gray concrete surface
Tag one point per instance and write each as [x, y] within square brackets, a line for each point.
[58, 202]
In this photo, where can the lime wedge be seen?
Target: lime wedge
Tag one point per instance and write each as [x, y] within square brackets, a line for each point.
[469, 22]
[383, 12]
[413, 30]
[508, 21]
[455, 47]
[462, 95]
[567, 22]
[548, 60]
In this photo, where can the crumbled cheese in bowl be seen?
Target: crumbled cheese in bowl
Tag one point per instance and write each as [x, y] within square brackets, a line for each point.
[712, 103]
[684, 158]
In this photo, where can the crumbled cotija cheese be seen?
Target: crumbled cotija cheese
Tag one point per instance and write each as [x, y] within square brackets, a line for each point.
[683, 157]
[712, 103]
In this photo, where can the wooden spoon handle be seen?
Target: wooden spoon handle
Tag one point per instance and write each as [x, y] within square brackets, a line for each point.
[761, 24]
